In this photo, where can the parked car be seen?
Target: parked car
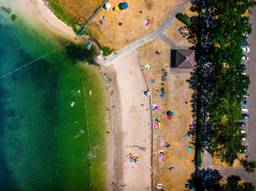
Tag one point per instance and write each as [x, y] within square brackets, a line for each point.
[246, 49]
[244, 43]
[243, 68]
[245, 101]
[241, 124]
[245, 110]
[245, 34]
[245, 116]
[245, 57]
[243, 150]
[243, 139]
[243, 131]
[244, 62]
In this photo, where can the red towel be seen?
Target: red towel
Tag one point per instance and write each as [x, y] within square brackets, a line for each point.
[169, 117]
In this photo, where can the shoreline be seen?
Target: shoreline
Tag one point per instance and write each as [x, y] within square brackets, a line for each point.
[121, 120]
[39, 10]
[114, 127]
[42, 14]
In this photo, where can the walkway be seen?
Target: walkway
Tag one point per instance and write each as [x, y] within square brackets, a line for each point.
[168, 41]
[92, 17]
[106, 61]
[206, 160]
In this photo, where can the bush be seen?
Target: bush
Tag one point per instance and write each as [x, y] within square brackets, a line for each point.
[13, 17]
[80, 53]
[106, 51]
[183, 18]
[249, 166]
[198, 157]
[6, 10]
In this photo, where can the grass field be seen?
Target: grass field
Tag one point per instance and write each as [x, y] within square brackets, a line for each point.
[74, 12]
[120, 27]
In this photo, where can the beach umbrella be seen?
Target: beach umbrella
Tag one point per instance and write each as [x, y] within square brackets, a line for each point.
[153, 81]
[170, 113]
[147, 66]
[123, 5]
[147, 93]
[147, 23]
[189, 148]
[158, 117]
[107, 5]
[155, 107]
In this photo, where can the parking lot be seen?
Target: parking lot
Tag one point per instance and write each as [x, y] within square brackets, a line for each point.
[251, 71]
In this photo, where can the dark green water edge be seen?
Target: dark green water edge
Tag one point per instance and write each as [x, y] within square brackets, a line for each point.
[45, 143]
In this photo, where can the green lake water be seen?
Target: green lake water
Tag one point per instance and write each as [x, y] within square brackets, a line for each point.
[52, 126]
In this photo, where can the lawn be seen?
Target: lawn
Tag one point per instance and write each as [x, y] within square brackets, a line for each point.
[74, 12]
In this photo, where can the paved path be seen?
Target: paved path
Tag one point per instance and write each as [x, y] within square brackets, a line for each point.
[249, 177]
[92, 17]
[206, 160]
[168, 41]
[106, 61]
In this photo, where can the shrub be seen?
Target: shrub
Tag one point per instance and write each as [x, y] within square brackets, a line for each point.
[183, 18]
[106, 51]
[198, 157]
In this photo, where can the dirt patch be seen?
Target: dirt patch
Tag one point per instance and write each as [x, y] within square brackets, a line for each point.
[123, 27]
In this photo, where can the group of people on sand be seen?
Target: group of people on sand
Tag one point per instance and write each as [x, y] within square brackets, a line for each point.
[134, 157]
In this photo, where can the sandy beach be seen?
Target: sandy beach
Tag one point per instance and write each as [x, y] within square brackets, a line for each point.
[37, 9]
[131, 127]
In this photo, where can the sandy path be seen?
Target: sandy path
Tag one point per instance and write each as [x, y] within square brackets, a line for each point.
[135, 126]
[37, 9]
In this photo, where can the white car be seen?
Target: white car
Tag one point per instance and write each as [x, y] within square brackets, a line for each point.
[246, 49]
[245, 110]
[245, 57]
[243, 131]
[243, 139]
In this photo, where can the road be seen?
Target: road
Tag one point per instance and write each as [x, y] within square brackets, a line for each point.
[106, 61]
[251, 128]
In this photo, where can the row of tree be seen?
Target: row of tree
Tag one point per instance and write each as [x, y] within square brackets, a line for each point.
[211, 180]
[219, 81]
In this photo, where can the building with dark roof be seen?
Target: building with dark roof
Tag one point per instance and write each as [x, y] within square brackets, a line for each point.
[182, 59]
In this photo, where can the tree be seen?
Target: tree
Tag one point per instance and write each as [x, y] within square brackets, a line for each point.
[218, 79]
[249, 166]
[234, 183]
[209, 180]
[205, 179]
